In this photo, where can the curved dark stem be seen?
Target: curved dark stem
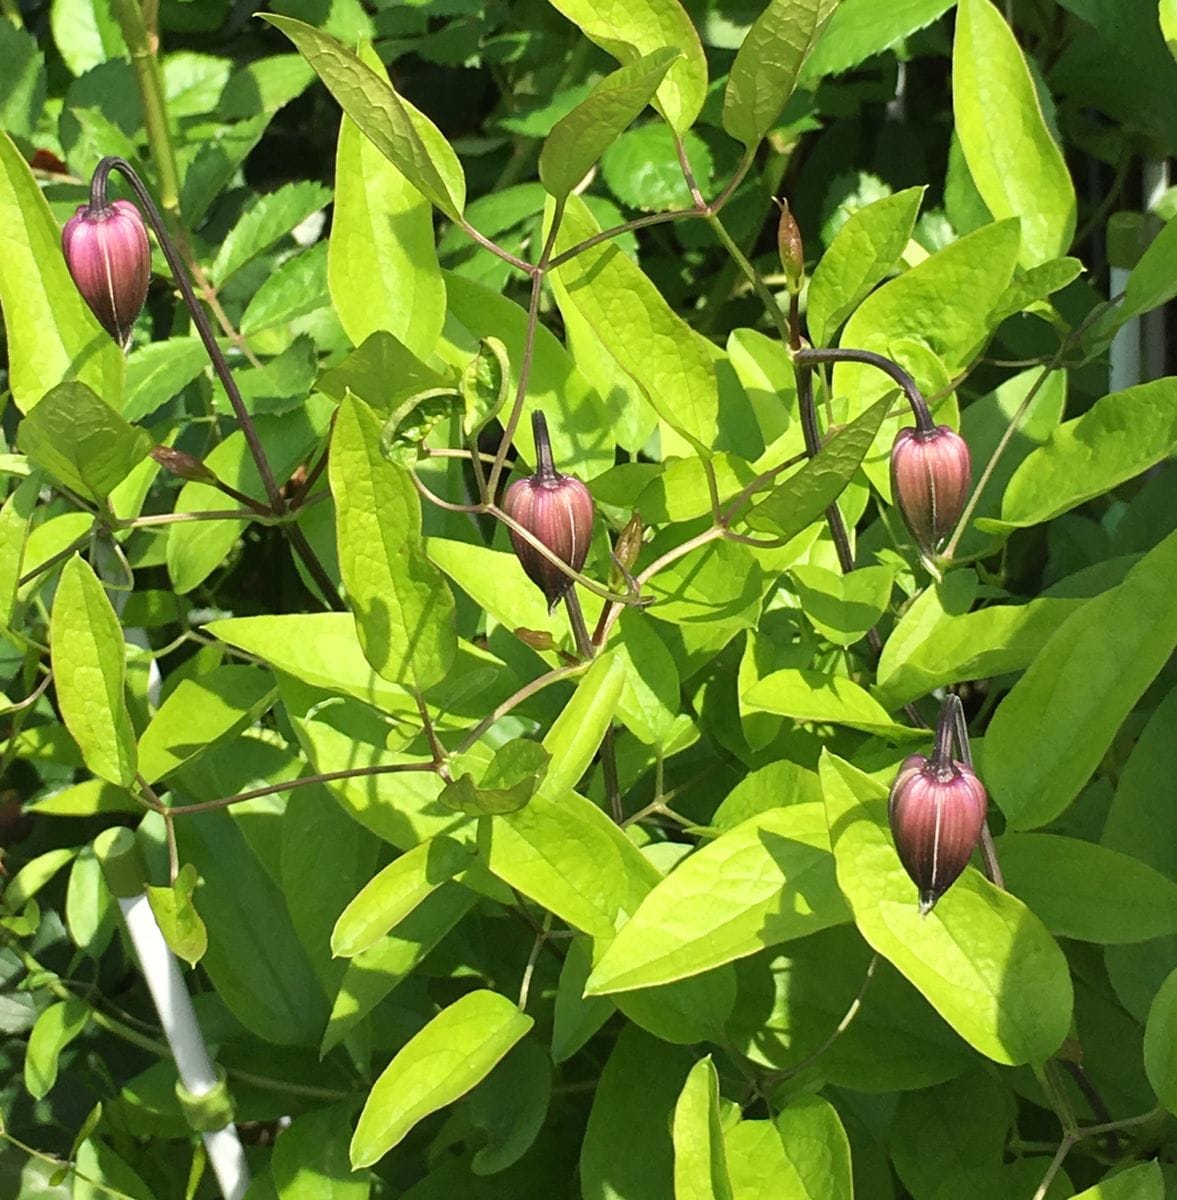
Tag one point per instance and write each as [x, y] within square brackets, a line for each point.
[216, 357]
[1099, 1109]
[316, 570]
[545, 468]
[804, 375]
[947, 730]
[919, 406]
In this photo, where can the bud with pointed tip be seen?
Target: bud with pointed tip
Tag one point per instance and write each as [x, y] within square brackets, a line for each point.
[555, 509]
[182, 464]
[937, 810]
[791, 248]
[930, 475]
[109, 257]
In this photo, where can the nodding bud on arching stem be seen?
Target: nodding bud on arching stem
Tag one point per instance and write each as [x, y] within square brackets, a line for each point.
[931, 471]
[109, 258]
[555, 509]
[937, 810]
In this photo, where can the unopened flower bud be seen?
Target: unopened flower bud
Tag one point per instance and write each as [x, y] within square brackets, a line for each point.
[109, 257]
[930, 476]
[555, 509]
[937, 811]
[791, 247]
[182, 464]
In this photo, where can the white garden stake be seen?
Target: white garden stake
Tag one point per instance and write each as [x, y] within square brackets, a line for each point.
[199, 1081]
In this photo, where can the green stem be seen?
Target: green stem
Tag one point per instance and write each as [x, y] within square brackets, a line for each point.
[139, 44]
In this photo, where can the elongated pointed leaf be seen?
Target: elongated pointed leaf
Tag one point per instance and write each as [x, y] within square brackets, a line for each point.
[382, 261]
[769, 64]
[455, 1051]
[406, 137]
[700, 1162]
[981, 958]
[56, 1027]
[578, 140]
[51, 334]
[669, 361]
[766, 881]
[628, 29]
[1142, 1182]
[89, 670]
[1012, 157]
[1087, 679]
[402, 605]
[814, 696]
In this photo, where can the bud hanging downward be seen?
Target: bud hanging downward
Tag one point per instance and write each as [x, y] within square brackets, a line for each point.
[937, 811]
[555, 509]
[930, 475]
[109, 257]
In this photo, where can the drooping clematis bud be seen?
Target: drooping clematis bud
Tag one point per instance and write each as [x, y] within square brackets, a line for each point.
[555, 509]
[930, 476]
[109, 257]
[791, 248]
[937, 810]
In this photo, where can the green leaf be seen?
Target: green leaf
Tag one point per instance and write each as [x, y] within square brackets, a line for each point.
[159, 371]
[395, 892]
[509, 1107]
[382, 372]
[670, 362]
[402, 605]
[806, 494]
[201, 712]
[15, 520]
[982, 959]
[1086, 891]
[34, 875]
[640, 27]
[1160, 1044]
[768, 65]
[628, 1151]
[564, 853]
[859, 258]
[454, 1051]
[310, 1160]
[1141, 1182]
[842, 608]
[1120, 436]
[56, 1027]
[768, 880]
[577, 733]
[51, 334]
[579, 139]
[700, 1164]
[1167, 10]
[510, 780]
[860, 29]
[382, 265]
[405, 136]
[1088, 677]
[816, 697]
[1013, 159]
[90, 911]
[81, 441]
[176, 915]
[270, 219]
[297, 288]
[817, 1149]
[89, 670]
[24, 66]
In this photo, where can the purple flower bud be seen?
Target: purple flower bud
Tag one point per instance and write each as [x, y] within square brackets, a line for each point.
[555, 509]
[930, 476]
[108, 255]
[937, 811]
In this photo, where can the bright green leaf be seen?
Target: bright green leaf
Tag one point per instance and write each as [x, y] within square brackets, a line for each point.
[577, 733]
[768, 65]
[1160, 1044]
[1084, 681]
[176, 915]
[1013, 159]
[842, 608]
[700, 1164]
[813, 696]
[406, 137]
[454, 1051]
[15, 521]
[860, 29]
[89, 669]
[310, 1160]
[579, 139]
[402, 605]
[768, 880]
[56, 1027]
[270, 219]
[629, 29]
[1141, 1182]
